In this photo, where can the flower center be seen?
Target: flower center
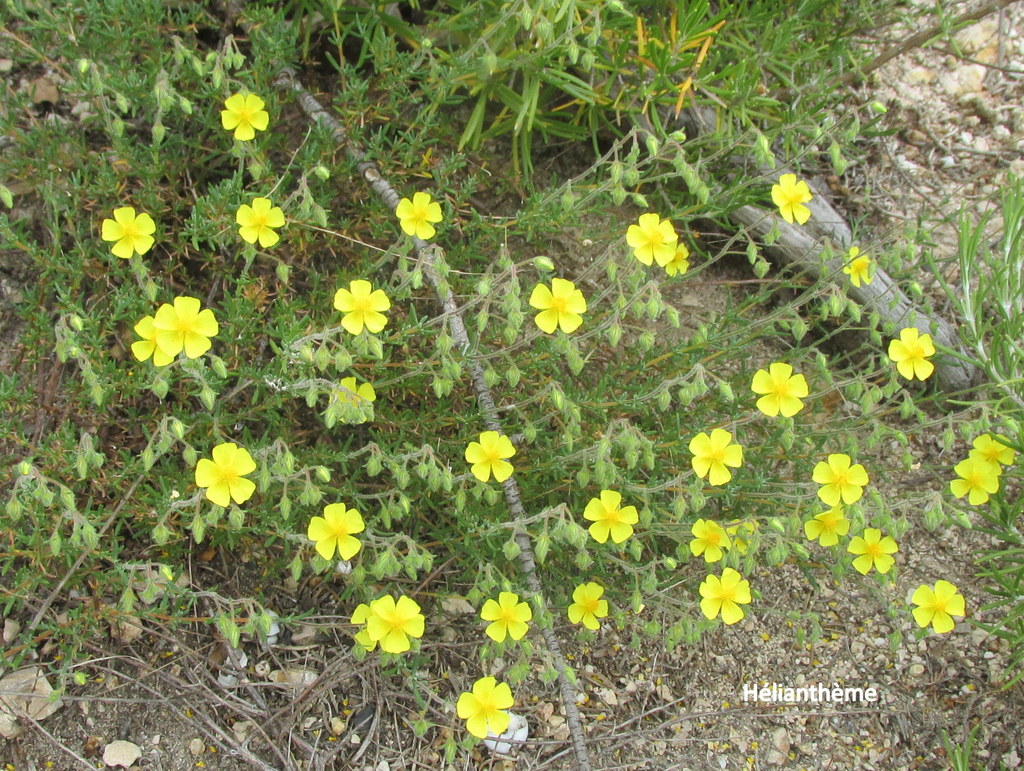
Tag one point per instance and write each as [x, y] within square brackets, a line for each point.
[655, 237]
[727, 595]
[873, 550]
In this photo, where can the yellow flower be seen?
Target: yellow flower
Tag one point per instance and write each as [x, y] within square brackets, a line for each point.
[680, 262]
[334, 531]
[992, 449]
[826, 527]
[146, 347]
[711, 455]
[652, 239]
[840, 482]
[559, 306]
[910, 353]
[609, 519]
[352, 401]
[937, 606]
[724, 595]
[483, 709]
[257, 222]
[874, 551]
[350, 393]
[709, 539]
[488, 456]
[790, 196]
[224, 476]
[738, 530]
[416, 215]
[781, 388]
[391, 623]
[184, 327]
[245, 114]
[359, 617]
[363, 306]
[130, 233]
[509, 617]
[587, 606]
[858, 267]
[978, 477]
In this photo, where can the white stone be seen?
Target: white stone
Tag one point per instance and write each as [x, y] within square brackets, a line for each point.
[25, 693]
[11, 629]
[518, 731]
[920, 75]
[978, 36]
[121, 753]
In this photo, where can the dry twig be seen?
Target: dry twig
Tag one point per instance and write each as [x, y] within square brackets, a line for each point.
[429, 255]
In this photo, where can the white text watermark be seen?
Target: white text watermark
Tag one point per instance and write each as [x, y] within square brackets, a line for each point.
[817, 693]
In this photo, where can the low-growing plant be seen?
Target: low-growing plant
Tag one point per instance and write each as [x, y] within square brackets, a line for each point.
[252, 360]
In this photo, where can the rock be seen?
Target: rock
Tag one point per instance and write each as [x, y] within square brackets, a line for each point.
[25, 693]
[780, 740]
[978, 38]
[11, 629]
[126, 629]
[517, 731]
[607, 695]
[121, 753]
[968, 79]
[9, 728]
[920, 75]
[242, 729]
[42, 89]
[457, 606]
[197, 747]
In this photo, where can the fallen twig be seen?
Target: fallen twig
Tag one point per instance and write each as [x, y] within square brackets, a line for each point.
[428, 255]
[803, 245]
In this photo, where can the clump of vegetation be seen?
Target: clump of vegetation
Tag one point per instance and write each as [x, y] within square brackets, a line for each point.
[245, 351]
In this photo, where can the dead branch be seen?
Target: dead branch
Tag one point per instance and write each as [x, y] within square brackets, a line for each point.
[428, 255]
[804, 247]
